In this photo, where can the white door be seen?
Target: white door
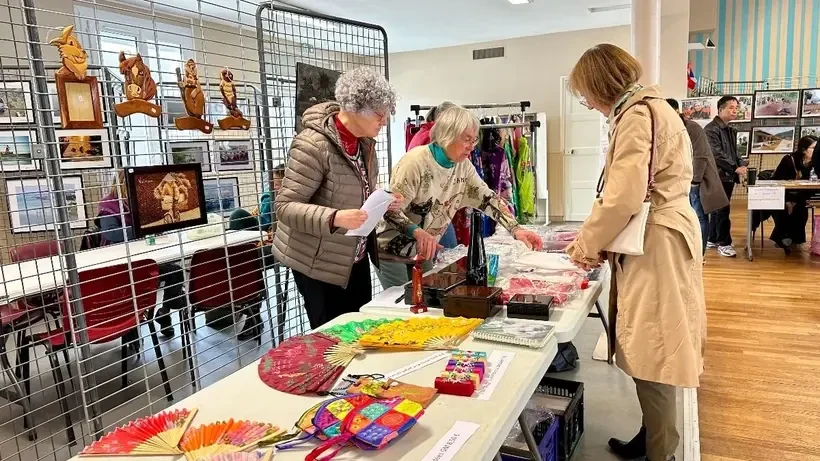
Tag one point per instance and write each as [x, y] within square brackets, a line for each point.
[581, 144]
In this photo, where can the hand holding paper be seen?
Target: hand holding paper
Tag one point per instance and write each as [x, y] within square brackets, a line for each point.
[375, 207]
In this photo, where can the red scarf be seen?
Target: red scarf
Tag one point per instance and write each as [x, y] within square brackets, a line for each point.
[349, 141]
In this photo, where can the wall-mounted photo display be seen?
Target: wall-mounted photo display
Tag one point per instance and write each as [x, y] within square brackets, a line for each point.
[776, 104]
[742, 143]
[810, 130]
[234, 154]
[15, 103]
[82, 149]
[773, 139]
[30, 206]
[221, 195]
[180, 152]
[744, 108]
[699, 110]
[811, 103]
[15, 151]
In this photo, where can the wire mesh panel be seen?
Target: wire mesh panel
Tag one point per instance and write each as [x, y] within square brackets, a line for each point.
[134, 232]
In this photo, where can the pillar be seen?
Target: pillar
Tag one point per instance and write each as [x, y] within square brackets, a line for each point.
[646, 38]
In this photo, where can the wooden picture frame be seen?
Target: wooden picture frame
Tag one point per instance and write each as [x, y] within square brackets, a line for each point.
[80, 107]
[21, 194]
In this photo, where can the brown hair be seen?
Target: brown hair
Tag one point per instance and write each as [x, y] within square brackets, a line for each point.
[604, 73]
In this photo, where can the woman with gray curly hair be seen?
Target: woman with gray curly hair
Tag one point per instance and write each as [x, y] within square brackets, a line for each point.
[331, 170]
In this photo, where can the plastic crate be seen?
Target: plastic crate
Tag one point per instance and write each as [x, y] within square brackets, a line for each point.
[566, 400]
[545, 435]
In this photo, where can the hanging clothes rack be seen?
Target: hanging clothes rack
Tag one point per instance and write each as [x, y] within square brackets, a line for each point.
[523, 105]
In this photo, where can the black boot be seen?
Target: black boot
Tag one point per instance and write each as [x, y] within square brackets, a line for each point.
[252, 327]
[163, 318]
[634, 449]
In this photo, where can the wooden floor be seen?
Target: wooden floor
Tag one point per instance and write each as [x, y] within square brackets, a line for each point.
[760, 394]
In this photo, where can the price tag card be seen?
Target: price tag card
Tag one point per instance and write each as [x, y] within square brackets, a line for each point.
[419, 364]
[767, 198]
[498, 361]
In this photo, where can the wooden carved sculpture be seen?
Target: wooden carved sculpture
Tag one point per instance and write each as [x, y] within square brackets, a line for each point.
[139, 88]
[74, 56]
[234, 121]
[194, 100]
[78, 93]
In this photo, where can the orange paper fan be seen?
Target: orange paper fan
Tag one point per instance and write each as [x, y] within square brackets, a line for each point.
[223, 437]
[154, 435]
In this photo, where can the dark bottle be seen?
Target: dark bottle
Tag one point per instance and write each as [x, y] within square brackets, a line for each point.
[476, 256]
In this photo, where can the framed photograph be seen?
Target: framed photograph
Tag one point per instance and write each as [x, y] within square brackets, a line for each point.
[773, 139]
[15, 103]
[744, 108]
[234, 154]
[314, 85]
[82, 149]
[811, 103]
[221, 195]
[80, 106]
[30, 204]
[776, 104]
[699, 110]
[15, 151]
[165, 198]
[813, 130]
[742, 143]
[181, 152]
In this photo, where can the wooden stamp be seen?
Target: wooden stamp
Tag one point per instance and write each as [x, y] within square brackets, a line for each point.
[139, 88]
[234, 121]
[194, 100]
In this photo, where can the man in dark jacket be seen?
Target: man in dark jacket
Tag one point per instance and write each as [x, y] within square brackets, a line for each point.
[723, 141]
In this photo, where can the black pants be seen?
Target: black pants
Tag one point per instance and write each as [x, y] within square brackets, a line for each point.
[172, 279]
[720, 226]
[792, 226]
[324, 301]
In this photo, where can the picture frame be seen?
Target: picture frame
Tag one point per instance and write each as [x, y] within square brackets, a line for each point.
[182, 152]
[810, 103]
[314, 85]
[15, 151]
[30, 208]
[234, 154]
[222, 195]
[776, 104]
[16, 103]
[83, 149]
[742, 143]
[810, 130]
[772, 139]
[744, 108]
[699, 110]
[80, 106]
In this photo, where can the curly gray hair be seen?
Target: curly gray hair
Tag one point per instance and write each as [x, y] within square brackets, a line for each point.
[365, 90]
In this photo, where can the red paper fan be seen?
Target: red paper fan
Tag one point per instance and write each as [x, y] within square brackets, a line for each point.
[300, 365]
[223, 437]
[154, 435]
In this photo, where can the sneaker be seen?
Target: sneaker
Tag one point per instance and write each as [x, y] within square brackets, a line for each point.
[710, 245]
[727, 251]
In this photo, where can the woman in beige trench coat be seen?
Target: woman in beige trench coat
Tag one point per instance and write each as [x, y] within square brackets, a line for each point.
[656, 301]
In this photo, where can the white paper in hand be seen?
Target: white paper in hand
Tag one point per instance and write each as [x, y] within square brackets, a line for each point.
[376, 206]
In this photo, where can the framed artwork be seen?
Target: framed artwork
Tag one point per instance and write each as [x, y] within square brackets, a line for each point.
[30, 205]
[15, 151]
[165, 198]
[15, 103]
[234, 154]
[221, 195]
[813, 130]
[79, 103]
[744, 108]
[773, 139]
[314, 85]
[180, 152]
[82, 149]
[742, 143]
[699, 110]
[776, 104]
[811, 103]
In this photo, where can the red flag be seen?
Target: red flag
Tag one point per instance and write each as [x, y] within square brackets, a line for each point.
[691, 81]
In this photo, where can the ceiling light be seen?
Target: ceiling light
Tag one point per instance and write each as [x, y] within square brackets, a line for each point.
[520, 2]
[604, 9]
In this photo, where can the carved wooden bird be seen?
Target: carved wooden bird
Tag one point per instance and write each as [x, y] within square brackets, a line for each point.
[228, 90]
[74, 56]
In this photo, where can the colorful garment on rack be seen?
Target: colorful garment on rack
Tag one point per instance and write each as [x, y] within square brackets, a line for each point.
[408, 134]
[422, 136]
[526, 181]
[511, 167]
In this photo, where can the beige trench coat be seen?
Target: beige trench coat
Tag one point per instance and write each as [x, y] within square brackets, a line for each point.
[657, 305]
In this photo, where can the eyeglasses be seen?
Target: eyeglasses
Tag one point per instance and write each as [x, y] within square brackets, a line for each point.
[585, 103]
[471, 140]
[381, 116]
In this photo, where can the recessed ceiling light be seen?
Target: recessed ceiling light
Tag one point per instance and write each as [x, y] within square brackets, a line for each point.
[520, 2]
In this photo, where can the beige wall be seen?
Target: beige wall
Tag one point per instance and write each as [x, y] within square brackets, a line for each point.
[703, 15]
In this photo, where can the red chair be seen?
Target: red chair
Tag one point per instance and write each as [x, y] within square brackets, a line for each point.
[112, 311]
[35, 250]
[222, 278]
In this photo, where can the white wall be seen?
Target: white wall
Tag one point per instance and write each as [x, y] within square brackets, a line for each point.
[703, 15]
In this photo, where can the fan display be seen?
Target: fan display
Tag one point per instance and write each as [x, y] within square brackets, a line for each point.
[266, 455]
[350, 332]
[224, 437]
[420, 333]
[154, 435]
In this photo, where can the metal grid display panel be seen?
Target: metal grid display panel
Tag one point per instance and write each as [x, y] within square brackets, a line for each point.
[34, 424]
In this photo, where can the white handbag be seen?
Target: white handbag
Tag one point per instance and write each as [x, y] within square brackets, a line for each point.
[631, 238]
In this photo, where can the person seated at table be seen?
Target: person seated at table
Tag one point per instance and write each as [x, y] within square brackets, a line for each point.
[790, 223]
[114, 220]
[332, 169]
[263, 216]
[435, 181]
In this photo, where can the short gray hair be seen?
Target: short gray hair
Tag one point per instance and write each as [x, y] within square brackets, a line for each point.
[451, 123]
[363, 90]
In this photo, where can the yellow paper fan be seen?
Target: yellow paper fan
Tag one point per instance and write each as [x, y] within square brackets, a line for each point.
[420, 333]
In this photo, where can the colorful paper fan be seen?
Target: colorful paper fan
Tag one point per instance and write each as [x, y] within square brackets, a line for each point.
[350, 332]
[304, 364]
[154, 435]
[420, 333]
[266, 455]
[223, 437]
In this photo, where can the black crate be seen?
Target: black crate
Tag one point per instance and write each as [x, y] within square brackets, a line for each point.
[569, 410]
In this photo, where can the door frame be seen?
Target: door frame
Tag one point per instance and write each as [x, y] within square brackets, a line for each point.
[565, 152]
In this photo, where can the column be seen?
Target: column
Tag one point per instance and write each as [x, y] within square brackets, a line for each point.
[646, 38]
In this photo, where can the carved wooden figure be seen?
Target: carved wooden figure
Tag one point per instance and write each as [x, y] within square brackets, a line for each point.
[78, 93]
[235, 120]
[139, 88]
[194, 100]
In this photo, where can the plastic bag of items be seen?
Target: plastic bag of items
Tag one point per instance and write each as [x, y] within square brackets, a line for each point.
[562, 287]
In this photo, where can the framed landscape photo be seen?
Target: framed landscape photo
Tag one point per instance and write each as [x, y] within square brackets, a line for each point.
[180, 152]
[15, 151]
[744, 108]
[83, 149]
[30, 206]
[80, 106]
[743, 144]
[811, 103]
[234, 154]
[221, 195]
[15, 103]
[810, 130]
[776, 104]
[773, 139]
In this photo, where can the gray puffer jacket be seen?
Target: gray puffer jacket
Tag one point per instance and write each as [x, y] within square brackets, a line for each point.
[319, 181]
